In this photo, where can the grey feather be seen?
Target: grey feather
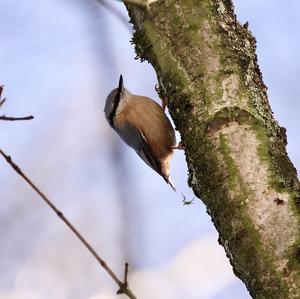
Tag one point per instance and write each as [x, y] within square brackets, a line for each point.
[136, 140]
[110, 103]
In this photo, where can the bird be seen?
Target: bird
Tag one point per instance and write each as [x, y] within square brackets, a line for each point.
[143, 125]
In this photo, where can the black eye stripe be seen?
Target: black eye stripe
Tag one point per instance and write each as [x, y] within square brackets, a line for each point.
[114, 109]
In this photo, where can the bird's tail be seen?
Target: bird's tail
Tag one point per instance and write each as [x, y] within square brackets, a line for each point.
[170, 182]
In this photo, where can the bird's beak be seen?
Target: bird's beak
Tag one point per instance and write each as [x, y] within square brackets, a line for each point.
[121, 87]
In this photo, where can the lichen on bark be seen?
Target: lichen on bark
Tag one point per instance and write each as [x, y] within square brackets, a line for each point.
[235, 150]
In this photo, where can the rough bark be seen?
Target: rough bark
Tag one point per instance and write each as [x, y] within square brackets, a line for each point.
[235, 150]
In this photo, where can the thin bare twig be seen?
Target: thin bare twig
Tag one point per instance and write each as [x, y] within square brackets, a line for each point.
[125, 282]
[2, 101]
[126, 274]
[4, 117]
[122, 285]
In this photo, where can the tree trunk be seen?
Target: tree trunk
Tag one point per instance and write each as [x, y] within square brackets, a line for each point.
[207, 69]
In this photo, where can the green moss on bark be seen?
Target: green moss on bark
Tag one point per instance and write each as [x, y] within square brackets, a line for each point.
[195, 46]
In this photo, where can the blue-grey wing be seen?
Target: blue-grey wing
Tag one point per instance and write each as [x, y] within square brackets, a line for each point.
[136, 140]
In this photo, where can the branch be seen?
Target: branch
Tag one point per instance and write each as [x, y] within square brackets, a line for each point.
[123, 285]
[3, 117]
[2, 101]
[235, 150]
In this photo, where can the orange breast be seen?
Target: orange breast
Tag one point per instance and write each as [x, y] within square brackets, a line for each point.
[151, 120]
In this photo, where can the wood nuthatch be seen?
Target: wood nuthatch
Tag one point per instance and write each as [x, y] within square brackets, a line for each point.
[144, 126]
